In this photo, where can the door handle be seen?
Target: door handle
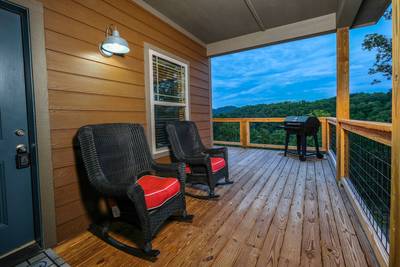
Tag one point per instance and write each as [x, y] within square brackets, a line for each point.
[21, 148]
[22, 158]
[19, 132]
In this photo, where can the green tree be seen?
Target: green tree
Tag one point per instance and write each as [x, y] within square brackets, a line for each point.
[383, 46]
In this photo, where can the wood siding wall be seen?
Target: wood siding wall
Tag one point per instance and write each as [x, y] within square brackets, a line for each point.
[86, 88]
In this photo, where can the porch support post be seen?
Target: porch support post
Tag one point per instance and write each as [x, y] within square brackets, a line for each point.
[394, 255]
[342, 99]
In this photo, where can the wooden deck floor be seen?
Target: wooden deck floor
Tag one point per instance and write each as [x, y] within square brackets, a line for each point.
[279, 212]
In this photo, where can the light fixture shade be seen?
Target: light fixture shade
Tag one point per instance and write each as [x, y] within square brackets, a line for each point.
[114, 44]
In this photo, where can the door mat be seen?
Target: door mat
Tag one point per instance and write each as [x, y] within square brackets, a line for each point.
[47, 258]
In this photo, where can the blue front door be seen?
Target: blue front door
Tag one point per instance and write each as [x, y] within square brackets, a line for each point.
[16, 202]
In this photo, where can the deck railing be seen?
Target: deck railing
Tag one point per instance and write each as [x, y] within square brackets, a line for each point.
[257, 132]
[365, 153]
[331, 136]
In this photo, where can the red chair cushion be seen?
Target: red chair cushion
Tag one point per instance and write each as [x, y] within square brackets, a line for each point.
[158, 190]
[216, 165]
[187, 169]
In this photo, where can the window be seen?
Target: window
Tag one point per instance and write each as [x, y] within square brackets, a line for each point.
[168, 95]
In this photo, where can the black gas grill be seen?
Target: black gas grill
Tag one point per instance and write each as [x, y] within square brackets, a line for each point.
[302, 126]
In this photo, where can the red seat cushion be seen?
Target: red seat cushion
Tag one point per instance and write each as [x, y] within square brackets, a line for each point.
[216, 165]
[187, 169]
[158, 190]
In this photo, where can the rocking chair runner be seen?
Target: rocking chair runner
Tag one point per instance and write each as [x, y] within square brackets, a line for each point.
[119, 166]
[203, 165]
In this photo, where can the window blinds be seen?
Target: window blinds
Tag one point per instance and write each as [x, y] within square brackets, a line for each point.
[169, 99]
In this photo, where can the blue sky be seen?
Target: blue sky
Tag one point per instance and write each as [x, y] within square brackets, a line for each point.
[299, 70]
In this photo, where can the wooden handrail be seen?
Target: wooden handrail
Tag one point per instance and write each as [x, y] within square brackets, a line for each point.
[371, 125]
[248, 119]
[380, 132]
[331, 120]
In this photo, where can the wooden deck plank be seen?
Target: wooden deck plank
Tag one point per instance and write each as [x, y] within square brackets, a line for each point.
[352, 252]
[217, 215]
[279, 211]
[332, 254]
[273, 242]
[291, 248]
[222, 217]
[228, 253]
[260, 229]
[311, 248]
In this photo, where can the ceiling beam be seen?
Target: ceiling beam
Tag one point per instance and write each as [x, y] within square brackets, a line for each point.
[309, 27]
[255, 15]
[347, 12]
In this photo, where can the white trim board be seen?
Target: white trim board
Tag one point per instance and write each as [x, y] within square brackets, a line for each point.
[149, 51]
[164, 18]
[309, 27]
[39, 73]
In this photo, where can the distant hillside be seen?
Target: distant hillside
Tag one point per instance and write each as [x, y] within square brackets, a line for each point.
[223, 110]
[364, 106]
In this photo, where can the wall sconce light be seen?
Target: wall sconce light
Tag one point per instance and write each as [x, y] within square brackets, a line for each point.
[113, 44]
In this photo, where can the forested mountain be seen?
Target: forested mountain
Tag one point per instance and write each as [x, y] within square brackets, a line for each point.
[225, 109]
[363, 106]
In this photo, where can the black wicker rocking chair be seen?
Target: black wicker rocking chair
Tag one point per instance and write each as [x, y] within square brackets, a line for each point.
[120, 168]
[203, 165]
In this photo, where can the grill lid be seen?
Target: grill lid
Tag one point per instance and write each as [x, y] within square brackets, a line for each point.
[299, 119]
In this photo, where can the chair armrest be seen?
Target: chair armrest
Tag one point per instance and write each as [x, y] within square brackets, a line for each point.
[113, 190]
[201, 159]
[145, 172]
[165, 168]
[216, 151]
[136, 194]
[171, 170]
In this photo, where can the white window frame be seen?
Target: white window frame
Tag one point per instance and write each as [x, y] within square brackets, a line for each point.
[160, 152]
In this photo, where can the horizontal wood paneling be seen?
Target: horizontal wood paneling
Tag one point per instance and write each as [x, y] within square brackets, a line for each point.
[72, 228]
[80, 101]
[75, 47]
[62, 119]
[69, 212]
[98, 14]
[67, 194]
[87, 88]
[65, 176]
[79, 66]
[203, 109]
[75, 83]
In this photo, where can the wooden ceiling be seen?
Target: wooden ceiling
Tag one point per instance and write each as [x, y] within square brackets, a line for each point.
[214, 21]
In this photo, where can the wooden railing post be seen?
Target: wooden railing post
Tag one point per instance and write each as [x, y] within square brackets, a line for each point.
[394, 255]
[342, 100]
[244, 132]
[328, 136]
[324, 126]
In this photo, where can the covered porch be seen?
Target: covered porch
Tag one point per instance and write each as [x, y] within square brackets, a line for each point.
[278, 212]
[342, 210]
